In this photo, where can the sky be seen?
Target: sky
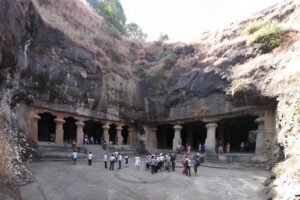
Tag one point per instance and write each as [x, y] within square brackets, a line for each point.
[185, 20]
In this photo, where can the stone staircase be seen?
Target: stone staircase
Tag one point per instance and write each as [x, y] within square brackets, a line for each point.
[58, 153]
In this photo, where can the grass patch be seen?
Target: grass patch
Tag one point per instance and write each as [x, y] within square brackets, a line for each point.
[267, 35]
[253, 26]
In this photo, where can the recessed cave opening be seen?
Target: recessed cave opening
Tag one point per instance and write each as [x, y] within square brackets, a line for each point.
[165, 135]
[70, 129]
[237, 130]
[112, 133]
[46, 127]
[94, 131]
[125, 134]
[193, 134]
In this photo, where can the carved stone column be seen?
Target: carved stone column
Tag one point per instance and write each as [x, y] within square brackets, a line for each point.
[210, 142]
[259, 148]
[119, 135]
[34, 133]
[177, 136]
[105, 133]
[79, 134]
[154, 138]
[130, 136]
[59, 132]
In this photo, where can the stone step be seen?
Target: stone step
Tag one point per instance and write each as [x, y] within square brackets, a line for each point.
[60, 148]
[232, 158]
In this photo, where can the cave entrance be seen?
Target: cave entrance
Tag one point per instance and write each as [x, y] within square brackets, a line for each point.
[237, 130]
[193, 134]
[70, 130]
[112, 133]
[165, 135]
[46, 127]
[93, 130]
[125, 134]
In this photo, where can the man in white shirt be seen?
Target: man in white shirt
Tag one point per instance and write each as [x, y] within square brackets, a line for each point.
[74, 157]
[112, 162]
[105, 160]
[90, 158]
[120, 158]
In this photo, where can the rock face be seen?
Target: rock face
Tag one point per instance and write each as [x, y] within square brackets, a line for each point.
[46, 60]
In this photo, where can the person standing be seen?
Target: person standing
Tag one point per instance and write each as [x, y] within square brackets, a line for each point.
[120, 158]
[126, 157]
[112, 162]
[90, 158]
[196, 162]
[228, 147]
[187, 165]
[105, 158]
[188, 151]
[173, 159]
[74, 157]
[137, 162]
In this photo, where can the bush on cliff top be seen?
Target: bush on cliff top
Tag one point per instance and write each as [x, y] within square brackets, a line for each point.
[267, 35]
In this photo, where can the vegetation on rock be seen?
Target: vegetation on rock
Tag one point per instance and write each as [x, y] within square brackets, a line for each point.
[141, 71]
[267, 35]
[112, 11]
[170, 59]
[163, 37]
[135, 32]
[115, 55]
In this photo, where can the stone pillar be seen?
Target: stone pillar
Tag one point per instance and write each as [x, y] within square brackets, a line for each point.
[34, 129]
[210, 142]
[119, 135]
[177, 136]
[59, 132]
[130, 135]
[79, 134]
[259, 148]
[153, 138]
[105, 133]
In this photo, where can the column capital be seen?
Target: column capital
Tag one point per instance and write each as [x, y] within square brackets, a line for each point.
[58, 120]
[79, 123]
[36, 117]
[153, 129]
[259, 120]
[177, 127]
[211, 125]
[105, 126]
[119, 128]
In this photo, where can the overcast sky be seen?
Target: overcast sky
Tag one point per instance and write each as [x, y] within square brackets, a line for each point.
[184, 20]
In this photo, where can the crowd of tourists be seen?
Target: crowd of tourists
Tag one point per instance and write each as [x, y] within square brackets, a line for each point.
[153, 163]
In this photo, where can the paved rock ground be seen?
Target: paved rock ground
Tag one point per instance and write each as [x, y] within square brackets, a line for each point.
[64, 181]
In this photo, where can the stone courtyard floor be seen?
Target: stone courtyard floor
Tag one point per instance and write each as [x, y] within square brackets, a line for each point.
[64, 181]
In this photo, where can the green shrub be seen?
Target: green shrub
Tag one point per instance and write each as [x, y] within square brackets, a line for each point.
[163, 37]
[115, 55]
[170, 59]
[253, 26]
[160, 73]
[141, 71]
[267, 36]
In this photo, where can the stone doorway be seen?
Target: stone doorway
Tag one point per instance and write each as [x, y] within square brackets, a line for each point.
[70, 130]
[237, 130]
[94, 131]
[165, 135]
[46, 127]
[193, 134]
